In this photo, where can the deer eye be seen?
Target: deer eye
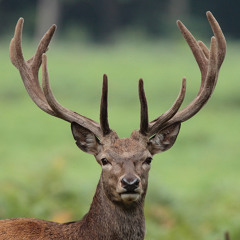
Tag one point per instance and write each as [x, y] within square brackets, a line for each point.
[148, 160]
[104, 161]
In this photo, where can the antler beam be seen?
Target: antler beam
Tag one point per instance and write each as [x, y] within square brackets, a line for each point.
[43, 96]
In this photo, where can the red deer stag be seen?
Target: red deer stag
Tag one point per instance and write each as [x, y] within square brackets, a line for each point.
[116, 212]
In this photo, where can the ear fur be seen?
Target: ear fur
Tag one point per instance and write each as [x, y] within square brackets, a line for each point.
[164, 139]
[85, 139]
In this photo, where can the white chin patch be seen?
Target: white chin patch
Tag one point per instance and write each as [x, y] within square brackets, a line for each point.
[130, 197]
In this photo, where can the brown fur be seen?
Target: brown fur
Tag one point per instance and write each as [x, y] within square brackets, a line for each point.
[105, 220]
[110, 216]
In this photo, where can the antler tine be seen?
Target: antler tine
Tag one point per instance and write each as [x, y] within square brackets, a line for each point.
[156, 124]
[61, 111]
[42, 47]
[204, 49]
[144, 108]
[15, 49]
[29, 69]
[221, 41]
[104, 107]
[196, 49]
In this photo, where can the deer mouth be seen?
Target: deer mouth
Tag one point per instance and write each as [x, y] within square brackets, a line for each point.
[130, 196]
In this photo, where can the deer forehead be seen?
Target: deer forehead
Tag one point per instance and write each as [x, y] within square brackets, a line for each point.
[126, 149]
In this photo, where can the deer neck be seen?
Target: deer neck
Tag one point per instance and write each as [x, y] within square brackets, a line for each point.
[111, 220]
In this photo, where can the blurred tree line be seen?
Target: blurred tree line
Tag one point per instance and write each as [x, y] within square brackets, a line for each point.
[102, 19]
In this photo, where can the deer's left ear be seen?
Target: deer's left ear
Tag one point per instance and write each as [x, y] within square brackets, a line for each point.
[164, 139]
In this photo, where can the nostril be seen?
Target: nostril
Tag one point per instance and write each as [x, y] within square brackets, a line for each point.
[130, 184]
[136, 182]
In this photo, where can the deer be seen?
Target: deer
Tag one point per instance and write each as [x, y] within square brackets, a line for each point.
[117, 208]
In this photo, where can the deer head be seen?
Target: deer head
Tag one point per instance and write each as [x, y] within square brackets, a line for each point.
[125, 162]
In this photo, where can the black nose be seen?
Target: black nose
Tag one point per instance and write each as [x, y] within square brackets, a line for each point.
[130, 184]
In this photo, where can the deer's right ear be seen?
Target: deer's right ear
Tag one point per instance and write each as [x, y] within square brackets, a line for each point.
[164, 139]
[85, 139]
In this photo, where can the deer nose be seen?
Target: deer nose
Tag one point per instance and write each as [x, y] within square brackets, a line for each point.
[130, 184]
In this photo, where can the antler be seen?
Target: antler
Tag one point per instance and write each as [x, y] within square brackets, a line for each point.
[43, 97]
[209, 62]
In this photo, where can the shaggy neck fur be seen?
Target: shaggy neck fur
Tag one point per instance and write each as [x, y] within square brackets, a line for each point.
[107, 220]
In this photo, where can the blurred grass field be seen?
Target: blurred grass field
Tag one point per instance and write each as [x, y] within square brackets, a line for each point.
[194, 188]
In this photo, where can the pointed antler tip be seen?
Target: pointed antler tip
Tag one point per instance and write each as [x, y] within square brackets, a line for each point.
[184, 82]
[54, 27]
[19, 24]
[209, 16]
[105, 78]
[179, 23]
[181, 26]
[208, 13]
[213, 39]
[140, 83]
[44, 56]
[105, 83]
[21, 19]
